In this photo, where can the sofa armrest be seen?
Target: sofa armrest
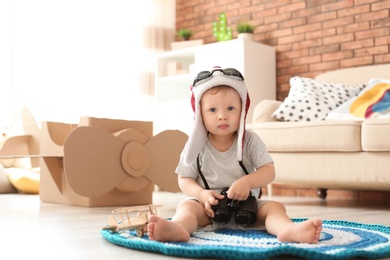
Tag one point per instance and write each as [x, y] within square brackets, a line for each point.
[263, 111]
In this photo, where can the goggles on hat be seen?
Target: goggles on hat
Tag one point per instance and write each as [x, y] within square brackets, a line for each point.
[230, 72]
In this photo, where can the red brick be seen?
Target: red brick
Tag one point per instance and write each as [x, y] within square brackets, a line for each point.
[268, 27]
[337, 5]
[372, 33]
[338, 22]
[295, 70]
[337, 55]
[288, 8]
[281, 48]
[310, 74]
[303, 13]
[357, 44]
[380, 23]
[372, 51]
[380, 5]
[291, 39]
[354, 62]
[322, 17]
[266, 13]
[344, 194]
[372, 16]
[338, 38]
[307, 59]
[284, 79]
[332, 48]
[378, 59]
[282, 95]
[354, 27]
[304, 45]
[319, 34]
[307, 28]
[277, 18]
[353, 10]
[295, 53]
[324, 66]
[273, 4]
[280, 33]
[360, 2]
[293, 22]
[375, 196]
[382, 40]
[285, 88]
[318, 2]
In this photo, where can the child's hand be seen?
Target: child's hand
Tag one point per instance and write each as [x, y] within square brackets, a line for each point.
[209, 198]
[239, 190]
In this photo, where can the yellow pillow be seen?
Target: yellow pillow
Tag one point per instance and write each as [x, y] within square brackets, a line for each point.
[25, 181]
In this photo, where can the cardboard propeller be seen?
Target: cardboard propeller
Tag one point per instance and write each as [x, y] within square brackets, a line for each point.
[26, 145]
[97, 161]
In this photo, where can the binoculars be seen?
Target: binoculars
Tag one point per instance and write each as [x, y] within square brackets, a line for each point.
[245, 211]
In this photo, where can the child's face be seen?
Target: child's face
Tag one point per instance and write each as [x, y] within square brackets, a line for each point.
[221, 110]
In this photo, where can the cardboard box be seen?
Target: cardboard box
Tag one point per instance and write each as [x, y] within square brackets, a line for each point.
[106, 162]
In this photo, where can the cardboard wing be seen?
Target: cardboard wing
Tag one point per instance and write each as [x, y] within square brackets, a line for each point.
[97, 161]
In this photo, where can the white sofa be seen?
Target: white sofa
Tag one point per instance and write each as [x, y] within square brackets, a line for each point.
[329, 154]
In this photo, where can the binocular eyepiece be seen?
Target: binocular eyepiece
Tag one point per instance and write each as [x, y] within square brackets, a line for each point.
[245, 211]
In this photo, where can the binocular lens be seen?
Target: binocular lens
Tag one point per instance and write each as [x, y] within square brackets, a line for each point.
[243, 218]
[222, 216]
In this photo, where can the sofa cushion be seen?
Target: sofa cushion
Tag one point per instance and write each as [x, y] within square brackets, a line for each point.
[264, 109]
[372, 102]
[312, 100]
[323, 136]
[351, 170]
[376, 134]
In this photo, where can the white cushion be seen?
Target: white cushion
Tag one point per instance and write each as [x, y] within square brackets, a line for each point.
[313, 100]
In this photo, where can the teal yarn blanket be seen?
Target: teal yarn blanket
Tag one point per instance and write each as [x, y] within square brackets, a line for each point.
[339, 240]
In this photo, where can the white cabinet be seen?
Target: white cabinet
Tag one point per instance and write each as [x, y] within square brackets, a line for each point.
[254, 60]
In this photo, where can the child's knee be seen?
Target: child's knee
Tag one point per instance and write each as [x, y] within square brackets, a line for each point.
[189, 202]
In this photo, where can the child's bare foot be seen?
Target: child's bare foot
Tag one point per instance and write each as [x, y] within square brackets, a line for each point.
[164, 230]
[308, 231]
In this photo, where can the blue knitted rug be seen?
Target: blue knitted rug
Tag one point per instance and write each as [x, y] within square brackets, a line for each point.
[339, 240]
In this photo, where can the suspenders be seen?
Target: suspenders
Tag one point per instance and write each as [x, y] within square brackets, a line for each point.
[206, 185]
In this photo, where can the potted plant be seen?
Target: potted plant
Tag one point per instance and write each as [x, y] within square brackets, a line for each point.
[245, 31]
[184, 34]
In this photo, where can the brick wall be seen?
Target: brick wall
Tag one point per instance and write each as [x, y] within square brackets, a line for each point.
[310, 36]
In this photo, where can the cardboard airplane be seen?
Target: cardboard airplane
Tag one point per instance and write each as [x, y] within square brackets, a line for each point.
[101, 162]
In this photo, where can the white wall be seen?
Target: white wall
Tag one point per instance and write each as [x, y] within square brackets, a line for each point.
[69, 58]
[6, 39]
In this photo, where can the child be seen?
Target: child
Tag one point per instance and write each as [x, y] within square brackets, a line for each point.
[216, 156]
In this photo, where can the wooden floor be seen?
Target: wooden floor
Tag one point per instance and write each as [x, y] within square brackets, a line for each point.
[31, 228]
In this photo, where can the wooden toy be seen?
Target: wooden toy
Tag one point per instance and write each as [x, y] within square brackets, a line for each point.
[131, 218]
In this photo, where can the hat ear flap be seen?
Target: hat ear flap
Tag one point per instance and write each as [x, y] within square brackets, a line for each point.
[248, 103]
[193, 101]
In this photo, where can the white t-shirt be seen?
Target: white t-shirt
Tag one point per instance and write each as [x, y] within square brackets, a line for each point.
[221, 169]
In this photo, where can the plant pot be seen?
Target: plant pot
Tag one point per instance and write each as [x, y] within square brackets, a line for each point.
[185, 44]
[245, 36]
